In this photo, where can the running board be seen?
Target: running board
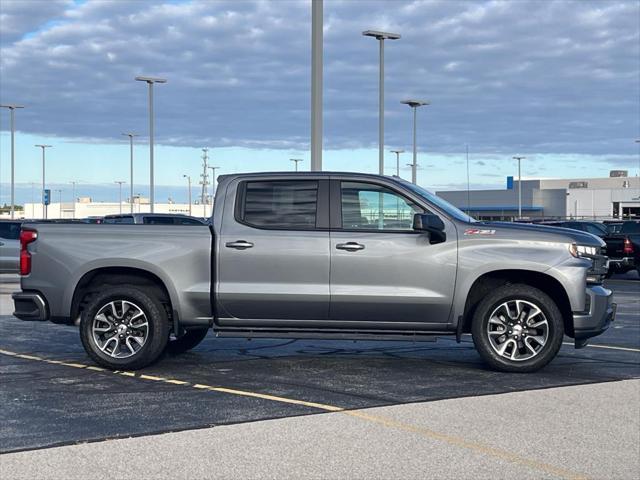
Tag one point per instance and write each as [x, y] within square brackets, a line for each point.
[423, 336]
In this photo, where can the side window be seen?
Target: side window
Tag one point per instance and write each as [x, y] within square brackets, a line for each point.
[280, 204]
[9, 230]
[187, 221]
[118, 220]
[158, 221]
[366, 206]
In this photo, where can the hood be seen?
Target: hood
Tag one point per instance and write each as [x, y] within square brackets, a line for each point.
[532, 230]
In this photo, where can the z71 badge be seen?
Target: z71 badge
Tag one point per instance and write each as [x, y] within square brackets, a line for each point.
[479, 231]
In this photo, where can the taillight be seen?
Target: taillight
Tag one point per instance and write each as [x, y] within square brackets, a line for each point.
[628, 247]
[26, 237]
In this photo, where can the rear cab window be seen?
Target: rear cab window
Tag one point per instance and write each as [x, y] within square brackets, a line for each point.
[10, 230]
[279, 204]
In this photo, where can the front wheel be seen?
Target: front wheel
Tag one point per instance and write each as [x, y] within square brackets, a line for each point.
[124, 327]
[517, 328]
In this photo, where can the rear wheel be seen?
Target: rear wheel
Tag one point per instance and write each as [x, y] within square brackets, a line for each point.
[124, 327]
[189, 340]
[517, 328]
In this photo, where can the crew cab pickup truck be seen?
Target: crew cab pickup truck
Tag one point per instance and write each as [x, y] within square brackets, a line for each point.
[318, 255]
[623, 248]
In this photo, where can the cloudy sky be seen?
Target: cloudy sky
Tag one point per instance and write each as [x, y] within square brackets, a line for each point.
[557, 81]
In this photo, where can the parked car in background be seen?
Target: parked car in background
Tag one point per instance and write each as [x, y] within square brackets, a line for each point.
[10, 246]
[152, 219]
[623, 248]
[613, 226]
[595, 228]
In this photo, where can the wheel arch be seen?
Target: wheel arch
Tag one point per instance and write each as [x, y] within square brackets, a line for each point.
[491, 280]
[119, 276]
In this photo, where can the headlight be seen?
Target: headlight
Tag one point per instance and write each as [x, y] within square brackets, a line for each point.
[582, 250]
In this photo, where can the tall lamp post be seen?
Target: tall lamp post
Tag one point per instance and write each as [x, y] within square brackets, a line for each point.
[44, 207]
[296, 161]
[131, 135]
[519, 187]
[12, 108]
[381, 37]
[120, 182]
[150, 81]
[397, 152]
[414, 104]
[188, 177]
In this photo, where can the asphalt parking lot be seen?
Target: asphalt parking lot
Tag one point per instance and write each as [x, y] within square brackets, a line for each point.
[358, 409]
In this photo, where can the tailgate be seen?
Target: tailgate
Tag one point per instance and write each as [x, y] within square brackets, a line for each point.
[615, 246]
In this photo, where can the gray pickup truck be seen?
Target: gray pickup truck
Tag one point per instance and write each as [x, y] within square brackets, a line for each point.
[318, 255]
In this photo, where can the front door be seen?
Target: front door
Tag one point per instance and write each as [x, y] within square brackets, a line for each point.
[383, 273]
[273, 253]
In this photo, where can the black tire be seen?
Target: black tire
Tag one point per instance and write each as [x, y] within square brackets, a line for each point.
[156, 331]
[189, 340]
[545, 352]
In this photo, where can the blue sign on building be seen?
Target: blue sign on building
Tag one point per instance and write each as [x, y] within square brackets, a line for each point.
[510, 182]
[47, 197]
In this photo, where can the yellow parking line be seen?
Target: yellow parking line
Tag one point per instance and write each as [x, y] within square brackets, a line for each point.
[386, 422]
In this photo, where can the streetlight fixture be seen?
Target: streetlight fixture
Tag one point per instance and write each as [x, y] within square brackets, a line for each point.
[188, 177]
[414, 166]
[150, 81]
[519, 187]
[381, 37]
[296, 161]
[44, 207]
[397, 152]
[213, 182]
[12, 108]
[131, 135]
[120, 182]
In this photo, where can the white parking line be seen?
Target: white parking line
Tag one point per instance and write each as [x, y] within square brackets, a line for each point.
[626, 349]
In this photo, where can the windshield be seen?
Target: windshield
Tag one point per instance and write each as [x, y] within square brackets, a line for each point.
[441, 203]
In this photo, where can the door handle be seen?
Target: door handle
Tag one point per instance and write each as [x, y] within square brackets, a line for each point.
[350, 246]
[239, 244]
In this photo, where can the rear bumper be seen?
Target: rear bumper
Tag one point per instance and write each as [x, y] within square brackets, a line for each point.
[600, 312]
[624, 263]
[30, 306]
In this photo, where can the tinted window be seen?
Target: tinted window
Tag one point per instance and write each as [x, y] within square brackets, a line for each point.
[10, 230]
[118, 220]
[630, 227]
[366, 206]
[281, 204]
[158, 221]
[187, 221]
[595, 229]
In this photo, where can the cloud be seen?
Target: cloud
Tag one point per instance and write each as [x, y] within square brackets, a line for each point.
[502, 76]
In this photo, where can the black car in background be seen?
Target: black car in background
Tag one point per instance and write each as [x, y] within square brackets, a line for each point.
[596, 228]
[623, 248]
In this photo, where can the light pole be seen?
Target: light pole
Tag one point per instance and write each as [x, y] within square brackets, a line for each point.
[73, 197]
[131, 135]
[381, 37]
[120, 182]
[150, 81]
[316, 84]
[44, 207]
[414, 166]
[296, 161]
[12, 108]
[397, 152]
[213, 182]
[468, 183]
[188, 177]
[519, 187]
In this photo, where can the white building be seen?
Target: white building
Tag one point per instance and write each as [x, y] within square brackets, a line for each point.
[616, 196]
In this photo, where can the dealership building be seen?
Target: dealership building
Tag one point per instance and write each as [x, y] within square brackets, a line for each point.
[616, 196]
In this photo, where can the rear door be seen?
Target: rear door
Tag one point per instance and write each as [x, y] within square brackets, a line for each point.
[273, 253]
[383, 273]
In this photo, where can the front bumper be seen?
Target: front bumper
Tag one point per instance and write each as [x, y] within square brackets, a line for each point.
[30, 306]
[600, 312]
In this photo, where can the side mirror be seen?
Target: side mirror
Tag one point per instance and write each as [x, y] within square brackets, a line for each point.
[433, 224]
